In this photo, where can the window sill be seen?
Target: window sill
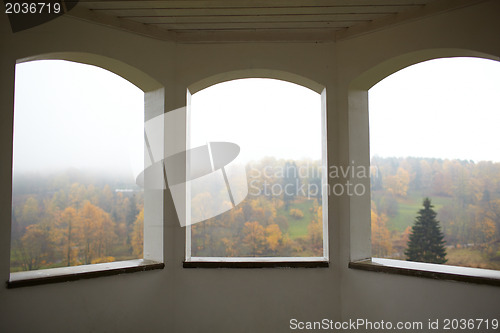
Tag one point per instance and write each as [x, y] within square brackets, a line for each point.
[212, 262]
[64, 274]
[431, 271]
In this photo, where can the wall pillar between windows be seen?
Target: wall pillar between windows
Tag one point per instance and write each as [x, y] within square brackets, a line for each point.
[7, 83]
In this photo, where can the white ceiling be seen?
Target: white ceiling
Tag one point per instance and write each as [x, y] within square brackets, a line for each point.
[207, 20]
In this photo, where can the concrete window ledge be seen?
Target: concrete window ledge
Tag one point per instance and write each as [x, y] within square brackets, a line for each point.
[249, 264]
[253, 262]
[64, 274]
[431, 271]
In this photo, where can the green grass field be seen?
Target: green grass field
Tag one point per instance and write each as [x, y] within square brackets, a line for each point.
[298, 227]
[408, 209]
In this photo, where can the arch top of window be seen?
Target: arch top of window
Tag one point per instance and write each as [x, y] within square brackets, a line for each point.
[380, 71]
[135, 76]
[256, 73]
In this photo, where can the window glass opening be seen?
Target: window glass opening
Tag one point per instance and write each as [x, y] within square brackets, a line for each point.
[435, 164]
[279, 129]
[78, 145]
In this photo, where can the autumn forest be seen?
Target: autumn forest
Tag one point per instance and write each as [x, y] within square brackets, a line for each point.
[466, 198]
[72, 218]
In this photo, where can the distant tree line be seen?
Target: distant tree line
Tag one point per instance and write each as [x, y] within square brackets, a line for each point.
[64, 221]
[259, 226]
[75, 218]
[469, 193]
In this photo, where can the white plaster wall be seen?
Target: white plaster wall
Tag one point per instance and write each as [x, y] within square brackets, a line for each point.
[174, 299]
[241, 300]
[128, 303]
[361, 62]
[257, 300]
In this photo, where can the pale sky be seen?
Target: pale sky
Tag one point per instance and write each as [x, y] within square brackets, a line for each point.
[443, 108]
[265, 117]
[80, 116]
[70, 115]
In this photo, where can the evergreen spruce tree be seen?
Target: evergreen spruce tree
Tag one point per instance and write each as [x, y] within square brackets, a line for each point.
[426, 242]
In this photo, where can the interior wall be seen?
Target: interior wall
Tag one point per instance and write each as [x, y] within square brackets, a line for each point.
[109, 304]
[362, 62]
[173, 299]
[241, 300]
[256, 300]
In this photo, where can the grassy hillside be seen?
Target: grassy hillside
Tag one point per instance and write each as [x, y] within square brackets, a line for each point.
[298, 227]
[409, 207]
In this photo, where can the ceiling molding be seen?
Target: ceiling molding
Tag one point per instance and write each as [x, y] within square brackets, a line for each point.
[432, 8]
[230, 21]
[85, 14]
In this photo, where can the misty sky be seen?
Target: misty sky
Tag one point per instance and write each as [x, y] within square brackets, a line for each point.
[443, 108]
[70, 115]
[83, 117]
[265, 117]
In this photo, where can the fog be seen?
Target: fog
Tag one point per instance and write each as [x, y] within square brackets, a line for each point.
[443, 108]
[75, 116]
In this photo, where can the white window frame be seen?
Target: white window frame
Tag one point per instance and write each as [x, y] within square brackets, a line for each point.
[154, 200]
[360, 254]
[324, 258]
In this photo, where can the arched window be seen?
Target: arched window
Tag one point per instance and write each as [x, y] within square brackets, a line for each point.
[78, 145]
[433, 134]
[271, 204]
